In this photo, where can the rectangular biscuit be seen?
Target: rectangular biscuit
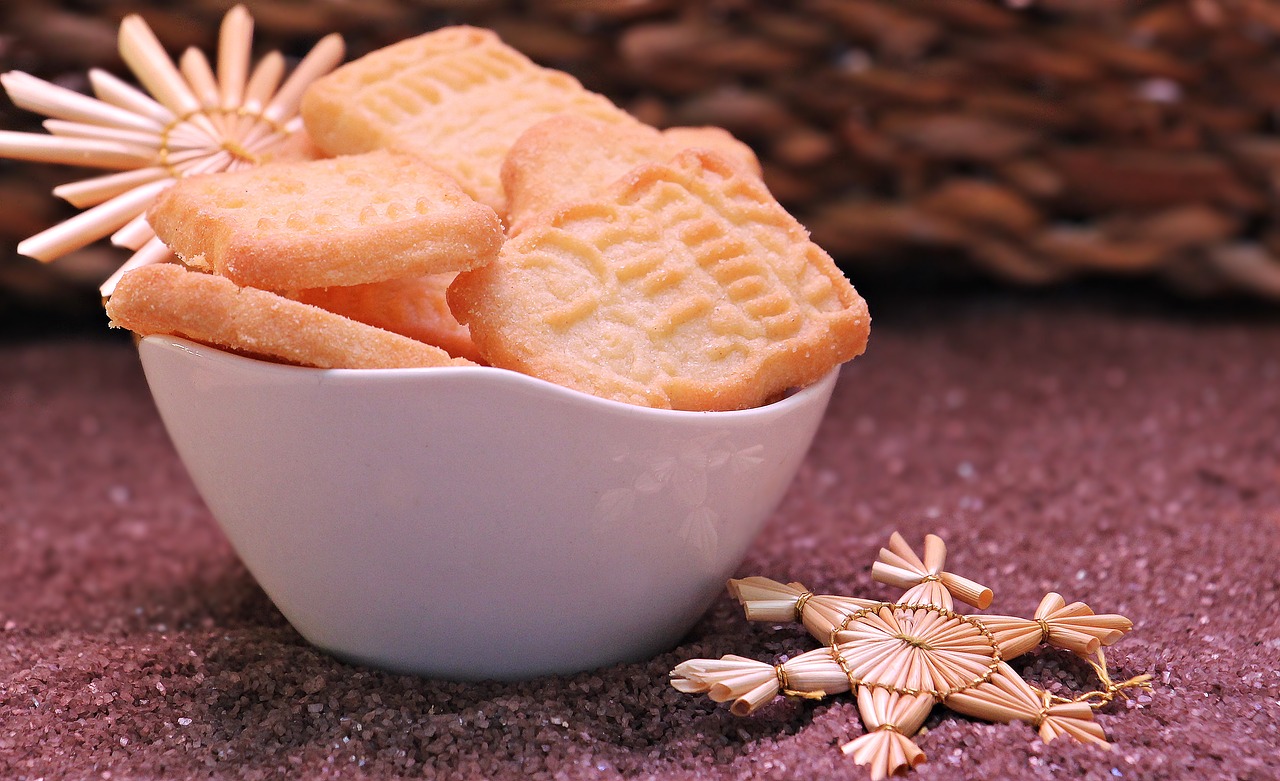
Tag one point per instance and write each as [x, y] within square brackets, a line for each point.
[341, 221]
[168, 299]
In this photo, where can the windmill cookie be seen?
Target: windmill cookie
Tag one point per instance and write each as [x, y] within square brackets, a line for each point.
[458, 96]
[168, 299]
[685, 286]
[570, 158]
[414, 307]
[341, 221]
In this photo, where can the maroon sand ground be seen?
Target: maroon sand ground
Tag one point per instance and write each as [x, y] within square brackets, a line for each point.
[1122, 451]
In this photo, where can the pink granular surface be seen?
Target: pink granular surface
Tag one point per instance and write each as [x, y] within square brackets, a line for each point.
[1122, 452]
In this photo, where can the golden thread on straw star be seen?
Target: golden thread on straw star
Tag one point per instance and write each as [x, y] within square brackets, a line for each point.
[800, 604]
[927, 651]
[190, 120]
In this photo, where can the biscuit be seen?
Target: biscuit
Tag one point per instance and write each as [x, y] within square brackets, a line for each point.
[414, 307]
[570, 158]
[458, 96]
[342, 221]
[685, 286]
[168, 299]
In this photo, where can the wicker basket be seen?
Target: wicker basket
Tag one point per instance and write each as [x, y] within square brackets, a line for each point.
[1037, 142]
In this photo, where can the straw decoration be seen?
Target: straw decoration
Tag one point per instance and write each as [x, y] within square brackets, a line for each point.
[902, 658]
[744, 683]
[1006, 697]
[924, 579]
[890, 718]
[748, 685]
[763, 599]
[915, 649]
[1072, 627]
[193, 121]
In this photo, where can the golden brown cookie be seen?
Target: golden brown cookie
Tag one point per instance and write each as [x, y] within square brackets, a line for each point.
[414, 307]
[686, 285]
[168, 299]
[570, 158]
[341, 221]
[458, 96]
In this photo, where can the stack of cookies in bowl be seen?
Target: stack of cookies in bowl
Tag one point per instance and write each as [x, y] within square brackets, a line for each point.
[453, 203]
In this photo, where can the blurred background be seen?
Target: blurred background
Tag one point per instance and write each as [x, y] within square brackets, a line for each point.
[1029, 142]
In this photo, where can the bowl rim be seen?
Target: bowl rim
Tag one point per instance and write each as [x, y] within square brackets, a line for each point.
[796, 398]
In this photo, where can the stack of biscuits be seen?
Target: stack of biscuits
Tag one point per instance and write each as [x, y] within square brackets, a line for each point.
[452, 203]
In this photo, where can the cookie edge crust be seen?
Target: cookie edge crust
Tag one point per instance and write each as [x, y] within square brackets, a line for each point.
[167, 299]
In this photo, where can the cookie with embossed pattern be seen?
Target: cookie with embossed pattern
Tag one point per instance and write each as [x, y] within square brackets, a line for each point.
[685, 285]
[570, 158]
[168, 299]
[458, 96]
[340, 221]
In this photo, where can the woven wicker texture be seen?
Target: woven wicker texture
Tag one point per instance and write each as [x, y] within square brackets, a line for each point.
[1036, 140]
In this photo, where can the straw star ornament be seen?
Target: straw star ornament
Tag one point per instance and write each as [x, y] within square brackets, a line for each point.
[193, 121]
[902, 658]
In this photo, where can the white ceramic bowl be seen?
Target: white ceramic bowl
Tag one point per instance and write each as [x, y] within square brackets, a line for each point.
[474, 522]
